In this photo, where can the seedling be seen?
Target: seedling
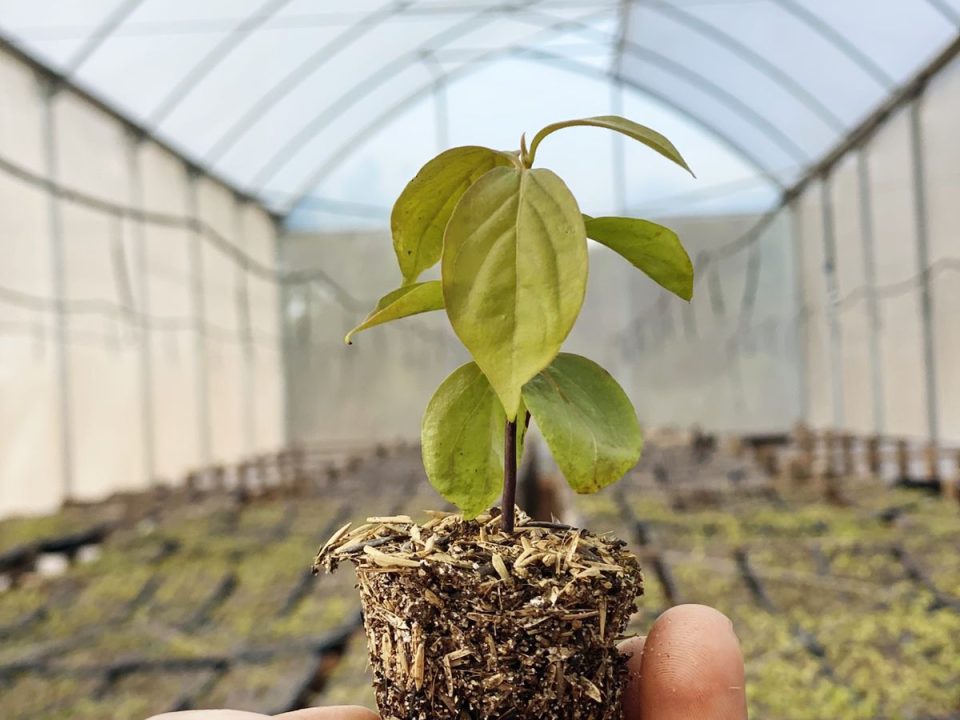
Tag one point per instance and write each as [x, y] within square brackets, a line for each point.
[511, 242]
[485, 614]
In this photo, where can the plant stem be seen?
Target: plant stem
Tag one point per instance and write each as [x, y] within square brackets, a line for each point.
[509, 475]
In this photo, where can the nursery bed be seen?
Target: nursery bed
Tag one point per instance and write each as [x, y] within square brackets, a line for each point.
[844, 611]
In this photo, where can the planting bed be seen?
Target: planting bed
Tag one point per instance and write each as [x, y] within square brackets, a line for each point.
[844, 611]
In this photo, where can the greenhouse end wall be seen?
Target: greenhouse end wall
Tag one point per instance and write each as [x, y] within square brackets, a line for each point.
[726, 361]
[135, 342]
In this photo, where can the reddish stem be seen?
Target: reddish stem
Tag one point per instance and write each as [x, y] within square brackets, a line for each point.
[509, 475]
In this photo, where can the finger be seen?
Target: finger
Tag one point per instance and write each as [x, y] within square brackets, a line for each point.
[340, 712]
[691, 667]
[210, 715]
[633, 649]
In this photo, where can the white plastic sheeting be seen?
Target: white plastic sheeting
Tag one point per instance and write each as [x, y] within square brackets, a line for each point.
[881, 198]
[725, 361]
[815, 312]
[274, 94]
[377, 388]
[166, 332]
[941, 108]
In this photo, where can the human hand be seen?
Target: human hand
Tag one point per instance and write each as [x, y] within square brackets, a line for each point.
[689, 667]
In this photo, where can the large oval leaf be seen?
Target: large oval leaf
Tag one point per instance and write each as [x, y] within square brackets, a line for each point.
[462, 441]
[650, 138]
[401, 303]
[514, 273]
[421, 212]
[653, 248]
[587, 421]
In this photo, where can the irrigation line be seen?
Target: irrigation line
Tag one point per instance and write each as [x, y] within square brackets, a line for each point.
[901, 287]
[112, 310]
[204, 229]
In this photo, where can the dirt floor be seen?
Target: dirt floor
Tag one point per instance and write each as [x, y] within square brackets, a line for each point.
[845, 610]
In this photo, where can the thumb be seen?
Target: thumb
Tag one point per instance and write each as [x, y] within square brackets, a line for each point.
[689, 666]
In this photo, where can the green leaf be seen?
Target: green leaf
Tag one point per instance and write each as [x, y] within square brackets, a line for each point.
[587, 421]
[421, 212]
[514, 273]
[400, 303]
[652, 248]
[641, 133]
[462, 441]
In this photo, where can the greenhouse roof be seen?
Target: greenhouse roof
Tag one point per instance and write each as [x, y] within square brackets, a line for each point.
[275, 95]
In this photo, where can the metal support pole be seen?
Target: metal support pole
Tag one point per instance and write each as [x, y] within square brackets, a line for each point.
[870, 278]
[618, 177]
[619, 164]
[287, 338]
[923, 265]
[833, 298]
[249, 374]
[801, 324]
[199, 320]
[58, 278]
[140, 264]
[441, 115]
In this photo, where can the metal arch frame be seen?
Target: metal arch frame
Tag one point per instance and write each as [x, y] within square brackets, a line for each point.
[213, 59]
[269, 170]
[835, 38]
[586, 70]
[947, 12]
[98, 37]
[295, 77]
[361, 89]
[706, 85]
[307, 133]
[814, 22]
[754, 60]
[350, 146]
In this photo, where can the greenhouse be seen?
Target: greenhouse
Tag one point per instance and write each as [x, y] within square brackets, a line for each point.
[199, 200]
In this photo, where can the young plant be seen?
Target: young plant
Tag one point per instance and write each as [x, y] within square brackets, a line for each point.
[512, 246]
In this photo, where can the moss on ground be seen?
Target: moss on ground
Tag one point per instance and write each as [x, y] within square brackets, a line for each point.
[889, 645]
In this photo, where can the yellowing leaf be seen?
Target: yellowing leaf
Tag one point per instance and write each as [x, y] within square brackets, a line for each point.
[641, 133]
[421, 212]
[462, 441]
[587, 421]
[514, 273]
[401, 303]
[653, 248]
